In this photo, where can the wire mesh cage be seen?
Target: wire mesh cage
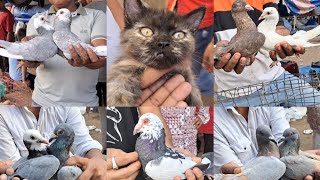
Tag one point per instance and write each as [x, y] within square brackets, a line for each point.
[287, 90]
[13, 92]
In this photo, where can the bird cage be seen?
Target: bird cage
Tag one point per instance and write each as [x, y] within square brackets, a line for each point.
[14, 92]
[287, 91]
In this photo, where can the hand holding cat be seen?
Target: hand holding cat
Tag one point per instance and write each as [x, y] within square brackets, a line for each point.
[207, 61]
[158, 92]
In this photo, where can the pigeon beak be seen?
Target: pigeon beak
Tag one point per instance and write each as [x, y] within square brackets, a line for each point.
[281, 140]
[261, 17]
[249, 8]
[271, 138]
[53, 137]
[137, 129]
[44, 141]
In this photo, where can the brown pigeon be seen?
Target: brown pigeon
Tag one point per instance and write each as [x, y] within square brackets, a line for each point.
[248, 40]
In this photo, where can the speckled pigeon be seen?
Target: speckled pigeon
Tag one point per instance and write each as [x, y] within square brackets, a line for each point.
[63, 36]
[32, 166]
[39, 48]
[298, 166]
[266, 165]
[60, 144]
[69, 173]
[248, 40]
[160, 162]
[268, 26]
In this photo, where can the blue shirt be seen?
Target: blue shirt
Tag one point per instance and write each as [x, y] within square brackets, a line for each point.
[15, 74]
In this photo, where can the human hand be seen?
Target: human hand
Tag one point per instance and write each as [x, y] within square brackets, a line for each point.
[93, 168]
[26, 38]
[20, 65]
[161, 92]
[86, 57]
[231, 168]
[207, 61]
[129, 160]
[195, 173]
[284, 49]
[6, 169]
[227, 62]
[197, 122]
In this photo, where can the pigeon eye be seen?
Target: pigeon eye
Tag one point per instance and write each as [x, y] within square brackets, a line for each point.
[179, 35]
[268, 13]
[146, 121]
[147, 32]
[61, 12]
[60, 132]
[32, 137]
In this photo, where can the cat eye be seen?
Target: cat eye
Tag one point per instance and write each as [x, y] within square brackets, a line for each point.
[147, 32]
[179, 35]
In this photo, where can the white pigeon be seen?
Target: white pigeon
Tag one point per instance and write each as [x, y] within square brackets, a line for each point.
[270, 17]
[63, 36]
[38, 48]
[160, 162]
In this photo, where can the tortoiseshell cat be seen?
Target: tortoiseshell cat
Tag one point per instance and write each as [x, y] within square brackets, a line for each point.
[156, 39]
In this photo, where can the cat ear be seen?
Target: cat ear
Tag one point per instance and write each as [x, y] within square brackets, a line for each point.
[132, 9]
[194, 18]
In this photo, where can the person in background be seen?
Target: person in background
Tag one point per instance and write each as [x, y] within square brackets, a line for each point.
[6, 32]
[204, 36]
[207, 130]
[313, 118]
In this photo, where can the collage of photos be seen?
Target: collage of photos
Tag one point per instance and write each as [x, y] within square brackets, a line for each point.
[159, 90]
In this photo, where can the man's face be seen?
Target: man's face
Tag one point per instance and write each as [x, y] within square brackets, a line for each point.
[61, 3]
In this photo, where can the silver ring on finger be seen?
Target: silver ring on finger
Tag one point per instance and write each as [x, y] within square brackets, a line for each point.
[114, 164]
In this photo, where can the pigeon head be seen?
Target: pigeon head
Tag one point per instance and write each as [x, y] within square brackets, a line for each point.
[264, 135]
[241, 6]
[34, 141]
[42, 21]
[270, 13]
[290, 136]
[149, 126]
[63, 132]
[63, 15]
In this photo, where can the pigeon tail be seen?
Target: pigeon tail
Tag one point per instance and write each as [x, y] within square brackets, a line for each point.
[312, 33]
[5, 53]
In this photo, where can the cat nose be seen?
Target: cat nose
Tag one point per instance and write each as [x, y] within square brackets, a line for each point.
[163, 44]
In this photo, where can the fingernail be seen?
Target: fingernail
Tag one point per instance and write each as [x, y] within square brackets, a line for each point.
[78, 46]
[70, 46]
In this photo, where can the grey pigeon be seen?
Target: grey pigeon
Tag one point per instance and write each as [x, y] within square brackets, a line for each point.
[297, 166]
[160, 162]
[37, 165]
[39, 48]
[63, 36]
[266, 166]
[69, 173]
[270, 18]
[248, 40]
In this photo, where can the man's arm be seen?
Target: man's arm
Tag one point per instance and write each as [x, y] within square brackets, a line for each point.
[10, 24]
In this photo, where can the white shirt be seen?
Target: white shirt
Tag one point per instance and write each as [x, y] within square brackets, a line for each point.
[258, 72]
[235, 138]
[113, 39]
[14, 121]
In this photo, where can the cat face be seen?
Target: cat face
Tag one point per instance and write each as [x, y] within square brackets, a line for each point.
[157, 38]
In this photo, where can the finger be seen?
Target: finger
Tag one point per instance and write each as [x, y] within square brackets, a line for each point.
[287, 49]
[179, 94]
[3, 177]
[77, 161]
[177, 178]
[232, 62]
[10, 171]
[92, 55]
[4, 165]
[308, 177]
[198, 173]
[164, 91]
[151, 75]
[299, 49]
[237, 170]
[134, 175]
[123, 160]
[280, 51]
[76, 61]
[181, 104]
[241, 65]
[146, 93]
[273, 55]
[82, 54]
[223, 61]
[86, 175]
[190, 175]
[130, 170]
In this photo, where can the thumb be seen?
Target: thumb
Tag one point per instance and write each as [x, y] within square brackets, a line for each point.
[151, 75]
[4, 165]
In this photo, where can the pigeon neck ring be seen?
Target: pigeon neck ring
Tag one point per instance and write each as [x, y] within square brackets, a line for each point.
[114, 164]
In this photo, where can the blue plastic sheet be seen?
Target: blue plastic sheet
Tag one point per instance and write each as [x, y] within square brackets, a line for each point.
[298, 7]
